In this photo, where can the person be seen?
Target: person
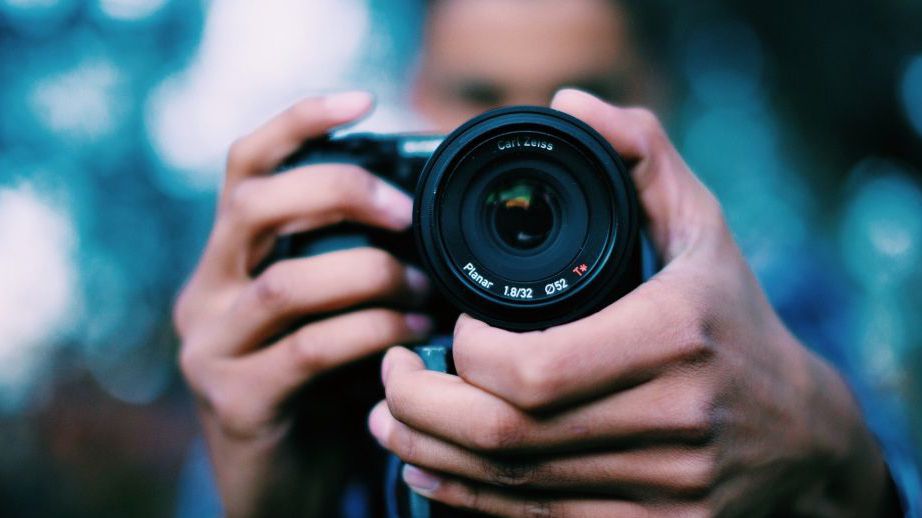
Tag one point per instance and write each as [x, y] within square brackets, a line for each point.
[687, 397]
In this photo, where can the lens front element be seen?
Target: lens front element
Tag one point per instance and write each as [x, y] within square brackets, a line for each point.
[522, 213]
[526, 218]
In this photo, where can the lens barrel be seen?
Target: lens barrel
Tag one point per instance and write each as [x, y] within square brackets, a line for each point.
[525, 217]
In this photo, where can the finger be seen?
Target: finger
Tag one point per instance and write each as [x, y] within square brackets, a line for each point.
[284, 367]
[499, 502]
[669, 409]
[681, 210]
[259, 153]
[652, 472]
[294, 288]
[300, 200]
[651, 330]
[315, 196]
[264, 149]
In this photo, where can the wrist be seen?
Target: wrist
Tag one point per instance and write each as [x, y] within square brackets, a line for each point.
[856, 478]
[248, 469]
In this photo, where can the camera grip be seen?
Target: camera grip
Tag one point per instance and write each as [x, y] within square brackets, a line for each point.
[435, 358]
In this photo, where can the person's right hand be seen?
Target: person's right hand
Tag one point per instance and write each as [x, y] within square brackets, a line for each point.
[229, 322]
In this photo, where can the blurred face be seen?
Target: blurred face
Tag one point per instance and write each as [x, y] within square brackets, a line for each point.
[480, 54]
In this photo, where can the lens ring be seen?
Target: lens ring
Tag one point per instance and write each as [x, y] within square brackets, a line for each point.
[466, 233]
[610, 246]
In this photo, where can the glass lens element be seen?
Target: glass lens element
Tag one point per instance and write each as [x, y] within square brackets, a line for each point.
[522, 213]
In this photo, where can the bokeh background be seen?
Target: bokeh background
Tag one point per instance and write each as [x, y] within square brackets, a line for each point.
[805, 118]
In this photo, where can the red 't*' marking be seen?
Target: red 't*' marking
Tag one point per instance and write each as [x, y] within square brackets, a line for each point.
[581, 269]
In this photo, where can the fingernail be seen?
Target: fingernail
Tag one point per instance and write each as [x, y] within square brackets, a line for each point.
[347, 105]
[395, 203]
[419, 325]
[421, 481]
[378, 423]
[417, 281]
[567, 95]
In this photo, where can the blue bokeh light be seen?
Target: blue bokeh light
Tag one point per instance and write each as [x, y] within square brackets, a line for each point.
[881, 230]
[724, 63]
[37, 18]
[117, 114]
[911, 90]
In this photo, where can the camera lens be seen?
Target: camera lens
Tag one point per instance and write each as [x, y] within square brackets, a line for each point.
[525, 218]
[522, 213]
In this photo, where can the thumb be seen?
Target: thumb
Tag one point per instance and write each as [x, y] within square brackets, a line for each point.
[680, 209]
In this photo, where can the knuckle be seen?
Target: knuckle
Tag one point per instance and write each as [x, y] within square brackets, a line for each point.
[382, 272]
[537, 380]
[468, 497]
[240, 153]
[271, 289]
[649, 126]
[696, 416]
[240, 199]
[468, 357]
[229, 404]
[502, 431]
[386, 323]
[307, 353]
[464, 340]
[405, 445]
[510, 473]
[199, 370]
[351, 185]
[236, 414]
[190, 362]
[233, 420]
[701, 474]
[396, 392]
[697, 328]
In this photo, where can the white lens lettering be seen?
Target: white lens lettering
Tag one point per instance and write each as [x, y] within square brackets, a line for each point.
[518, 142]
[477, 277]
[556, 286]
[518, 293]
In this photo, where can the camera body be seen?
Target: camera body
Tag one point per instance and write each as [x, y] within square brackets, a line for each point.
[524, 217]
[398, 159]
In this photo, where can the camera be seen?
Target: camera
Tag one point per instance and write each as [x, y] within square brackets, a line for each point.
[524, 217]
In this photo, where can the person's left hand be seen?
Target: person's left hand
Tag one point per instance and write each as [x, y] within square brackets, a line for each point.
[687, 397]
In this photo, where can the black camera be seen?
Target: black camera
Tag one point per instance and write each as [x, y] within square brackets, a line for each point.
[524, 217]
